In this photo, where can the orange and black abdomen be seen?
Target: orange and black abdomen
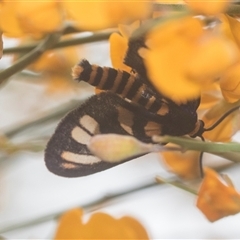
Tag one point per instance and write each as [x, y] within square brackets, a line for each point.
[120, 82]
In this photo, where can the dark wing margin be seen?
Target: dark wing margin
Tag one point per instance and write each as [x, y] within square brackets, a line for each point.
[67, 154]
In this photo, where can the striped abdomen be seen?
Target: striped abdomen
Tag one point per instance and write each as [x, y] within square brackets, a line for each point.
[123, 83]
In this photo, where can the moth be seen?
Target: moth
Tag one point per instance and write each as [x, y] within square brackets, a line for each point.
[130, 105]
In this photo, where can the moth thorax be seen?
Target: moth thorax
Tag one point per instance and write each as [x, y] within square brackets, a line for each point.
[198, 130]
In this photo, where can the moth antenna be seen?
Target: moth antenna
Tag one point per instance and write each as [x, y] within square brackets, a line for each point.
[201, 159]
[199, 130]
[221, 118]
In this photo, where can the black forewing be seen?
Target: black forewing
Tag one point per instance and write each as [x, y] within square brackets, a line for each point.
[104, 109]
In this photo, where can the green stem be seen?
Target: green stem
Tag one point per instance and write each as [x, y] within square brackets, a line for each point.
[24, 61]
[91, 206]
[43, 118]
[176, 184]
[232, 8]
[64, 43]
[105, 201]
[232, 156]
[197, 145]
[10, 148]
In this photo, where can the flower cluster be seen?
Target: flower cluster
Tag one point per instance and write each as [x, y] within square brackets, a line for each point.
[191, 55]
[99, 226]
[199, 56]
[30, 18]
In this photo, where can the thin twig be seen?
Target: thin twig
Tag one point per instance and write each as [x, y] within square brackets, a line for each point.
[177, 184]
[24, 61]
[91, 206]
[232, 8]
[100, 202]
[43, 118]
[101, 36]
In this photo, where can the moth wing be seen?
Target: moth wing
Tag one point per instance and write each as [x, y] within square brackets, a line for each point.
[67, 154]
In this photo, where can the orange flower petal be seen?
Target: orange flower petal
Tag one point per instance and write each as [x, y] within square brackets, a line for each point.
[211, 58]
[216, 198]
[8, 13]
[230, 84]
[56, 61]
[100, 226]
[106, 14]
[1, 45]
[118, 49]
[227, 128]
[29, 17]
[185, 165]
[127, 30]
[207, 7]
[169, 47]
[230, 28]
[210, 95]
[33, 14]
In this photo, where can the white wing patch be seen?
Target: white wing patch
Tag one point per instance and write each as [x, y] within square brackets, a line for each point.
[80, 135]
[90, 124]
[79, 158]
[152, 128]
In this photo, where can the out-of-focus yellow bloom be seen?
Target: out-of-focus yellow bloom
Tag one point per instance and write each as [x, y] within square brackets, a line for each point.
[20, 17]
[55, 65]
[182, 54]
[211, 58]
[169, 1]
[30, 17]
[217, 198]
[185, 165]
[119, 45]
[210, 95]
[208, 7]
[8, 12]
[92, 15]
[227, 128]
[99, 226]
[169, 47]
[1, 45]
[230, 28]
[230, 83]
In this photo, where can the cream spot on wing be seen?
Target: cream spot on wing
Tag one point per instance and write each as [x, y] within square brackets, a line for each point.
[79, 158]
[68, 165]
[152, 128]
[163, 110]
[80, 135]
[125, 119]
[90, 124]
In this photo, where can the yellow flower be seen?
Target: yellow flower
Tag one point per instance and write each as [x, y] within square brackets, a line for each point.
[1, 44]
[217, 198]
[92, 15]
[227, 128]
[210, 95]
[229, 27]
[29, 17]
[119, 45]
[182, 54]
[99, 226]
[55, 66]
[208, 7]
[229, 81]
[185, 165]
